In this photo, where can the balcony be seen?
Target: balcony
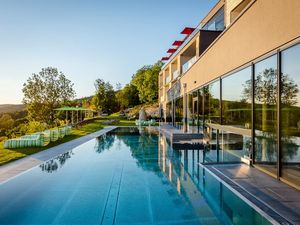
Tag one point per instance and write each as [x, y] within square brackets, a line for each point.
[176, 74]
[188, 64]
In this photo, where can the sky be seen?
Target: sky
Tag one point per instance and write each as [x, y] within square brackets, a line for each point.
[88, 39]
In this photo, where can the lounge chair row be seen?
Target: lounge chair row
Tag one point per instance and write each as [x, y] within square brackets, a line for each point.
[39, 139]
[145, 122]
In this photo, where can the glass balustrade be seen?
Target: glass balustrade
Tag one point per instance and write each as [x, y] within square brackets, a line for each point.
[188, 64]
[176, 74]
[168, 79]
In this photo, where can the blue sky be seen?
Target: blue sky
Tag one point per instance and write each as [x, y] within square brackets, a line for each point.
[88, 39]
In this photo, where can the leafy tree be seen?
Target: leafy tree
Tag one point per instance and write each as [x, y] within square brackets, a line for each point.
[146, 82]
[35, 126]
[128, 96]
[105, 97]
[6, 122]
[45, 91]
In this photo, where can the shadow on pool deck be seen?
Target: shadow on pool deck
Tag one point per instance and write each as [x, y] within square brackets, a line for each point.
[17, 167]
[267, 193]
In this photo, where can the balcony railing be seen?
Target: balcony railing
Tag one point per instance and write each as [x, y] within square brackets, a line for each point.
[176, 74]
[168, 79]
[188, 64]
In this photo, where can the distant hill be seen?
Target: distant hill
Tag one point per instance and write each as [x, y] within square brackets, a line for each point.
[10, 108]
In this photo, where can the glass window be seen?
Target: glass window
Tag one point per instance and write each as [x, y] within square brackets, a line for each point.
[193, 112]
[290, 114]
[169, 112]
[265, 91]
[212, 102]
[236, 104]
[211, 94]
[216, 22]
[190, 114]
[179, 113]
[200, 110]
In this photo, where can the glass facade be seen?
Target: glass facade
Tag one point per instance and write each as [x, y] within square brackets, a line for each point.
[179, 113]
[212, 103]
[230, 110]
[290, 114]
[211, 93]
[236, 113]
[200, 94]
[169, 112]
[265, 98]
[192, 112]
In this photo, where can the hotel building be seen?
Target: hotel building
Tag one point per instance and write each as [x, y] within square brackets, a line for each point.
[236, 79]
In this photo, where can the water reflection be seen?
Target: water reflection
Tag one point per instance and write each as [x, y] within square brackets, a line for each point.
[184, 170]
[195, 192]
[58, 162]
[104, 142]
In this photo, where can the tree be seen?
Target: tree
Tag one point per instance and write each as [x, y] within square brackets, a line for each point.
[6, 122]
[146, 82]
[128, 96]
[105, 98]
[45, 91]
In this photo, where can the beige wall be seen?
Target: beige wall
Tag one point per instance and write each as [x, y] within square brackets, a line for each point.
[229, 6]
[265, 26]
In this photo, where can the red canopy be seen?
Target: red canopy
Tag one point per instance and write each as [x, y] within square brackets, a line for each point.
[171, 50]
[177, 43]
[165, 58]
[187, 30]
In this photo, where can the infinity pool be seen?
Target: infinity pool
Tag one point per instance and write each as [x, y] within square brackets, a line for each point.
[128, 176]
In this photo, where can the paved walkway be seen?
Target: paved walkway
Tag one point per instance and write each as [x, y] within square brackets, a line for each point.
[280, 201]
[14, 168]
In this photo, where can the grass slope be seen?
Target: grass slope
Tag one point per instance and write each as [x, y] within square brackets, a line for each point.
[8, 155]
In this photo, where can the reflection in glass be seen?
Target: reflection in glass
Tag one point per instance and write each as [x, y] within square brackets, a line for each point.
[290, 114]
[179, 113]
[216, 22]
[212, 102]
[211, 94]
[191, 117]
[236, 105]
[265, 91]
[195, 116]
[169, 113]
[200, 110]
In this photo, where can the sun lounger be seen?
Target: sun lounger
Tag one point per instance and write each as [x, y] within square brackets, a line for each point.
[35, 140]
[39, 139]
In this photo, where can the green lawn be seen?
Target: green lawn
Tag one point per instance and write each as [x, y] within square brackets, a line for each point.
[8, 155]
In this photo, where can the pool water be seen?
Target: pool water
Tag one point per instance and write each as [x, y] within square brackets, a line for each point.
[128, 176]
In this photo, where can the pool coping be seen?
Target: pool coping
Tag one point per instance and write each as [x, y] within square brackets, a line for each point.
[20, 166]
[259, 205]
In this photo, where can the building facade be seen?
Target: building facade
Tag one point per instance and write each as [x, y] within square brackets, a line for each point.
[236, 78]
